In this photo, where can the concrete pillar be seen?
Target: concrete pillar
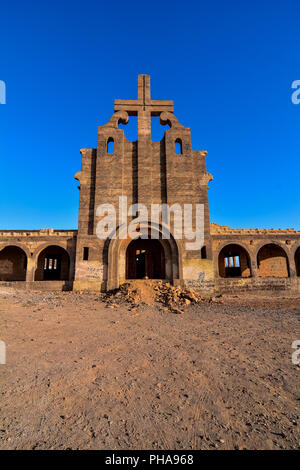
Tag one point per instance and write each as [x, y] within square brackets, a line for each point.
[254, 268]
[292, 266]
[31, 266]
[72, 267]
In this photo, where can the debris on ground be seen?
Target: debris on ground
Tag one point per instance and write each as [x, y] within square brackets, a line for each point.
[133, 294]
[173, 298]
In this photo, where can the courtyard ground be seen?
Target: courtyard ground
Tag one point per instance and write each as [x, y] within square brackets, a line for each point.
[82, 373]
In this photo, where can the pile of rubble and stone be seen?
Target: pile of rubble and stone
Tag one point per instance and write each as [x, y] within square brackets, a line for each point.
[176, 298]
[149, 292]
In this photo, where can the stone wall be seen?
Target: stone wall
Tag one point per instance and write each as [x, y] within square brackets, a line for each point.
[273, 258]
[22, 253]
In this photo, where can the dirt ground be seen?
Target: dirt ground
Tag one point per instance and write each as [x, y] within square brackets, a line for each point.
[85, 374]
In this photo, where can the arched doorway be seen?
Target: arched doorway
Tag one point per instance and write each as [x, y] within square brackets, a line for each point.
[145, 258]
[272, 261]
[13, 264]
[117, 251]
[234, 261]
[297, 261]
[53, 264]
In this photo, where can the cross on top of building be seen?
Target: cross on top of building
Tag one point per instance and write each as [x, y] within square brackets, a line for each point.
[144, 107]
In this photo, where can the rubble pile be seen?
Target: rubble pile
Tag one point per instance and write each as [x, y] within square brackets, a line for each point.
[175, 298]
[127, 293]
[149, 292]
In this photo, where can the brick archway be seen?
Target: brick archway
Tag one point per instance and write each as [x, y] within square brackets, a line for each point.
[234, 261]
[272, 261]
[13, 263]
[53, 264]
[116, 255]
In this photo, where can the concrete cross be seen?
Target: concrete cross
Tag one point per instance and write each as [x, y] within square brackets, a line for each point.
[144, 107]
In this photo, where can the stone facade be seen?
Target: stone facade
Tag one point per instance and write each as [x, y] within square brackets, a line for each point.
[273, 258]
[23, 254]
[169, 173]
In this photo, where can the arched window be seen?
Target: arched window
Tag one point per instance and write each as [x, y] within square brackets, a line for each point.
[110, 145]
[234, 261]
[178, 147]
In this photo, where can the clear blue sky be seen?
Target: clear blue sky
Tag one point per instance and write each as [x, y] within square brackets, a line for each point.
[228, 66]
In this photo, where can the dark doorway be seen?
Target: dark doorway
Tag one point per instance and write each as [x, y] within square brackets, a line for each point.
[53, 264]
[297, 261]
[145, 259]
[140, 264]
[13, 264]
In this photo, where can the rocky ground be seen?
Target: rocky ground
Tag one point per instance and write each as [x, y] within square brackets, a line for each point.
[148, 368]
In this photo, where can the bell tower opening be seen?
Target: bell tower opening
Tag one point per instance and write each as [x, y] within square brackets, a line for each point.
[145, 259]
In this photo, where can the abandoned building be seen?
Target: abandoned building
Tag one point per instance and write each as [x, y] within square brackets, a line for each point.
[164, 172]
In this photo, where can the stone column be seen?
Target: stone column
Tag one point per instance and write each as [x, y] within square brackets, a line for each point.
[72, 267]
[30, 271]
[254, 268]
[292, 265]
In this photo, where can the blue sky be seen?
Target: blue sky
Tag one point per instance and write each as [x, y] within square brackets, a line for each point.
[228, 66]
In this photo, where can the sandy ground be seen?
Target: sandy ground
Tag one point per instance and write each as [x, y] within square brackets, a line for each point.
[84, 375]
